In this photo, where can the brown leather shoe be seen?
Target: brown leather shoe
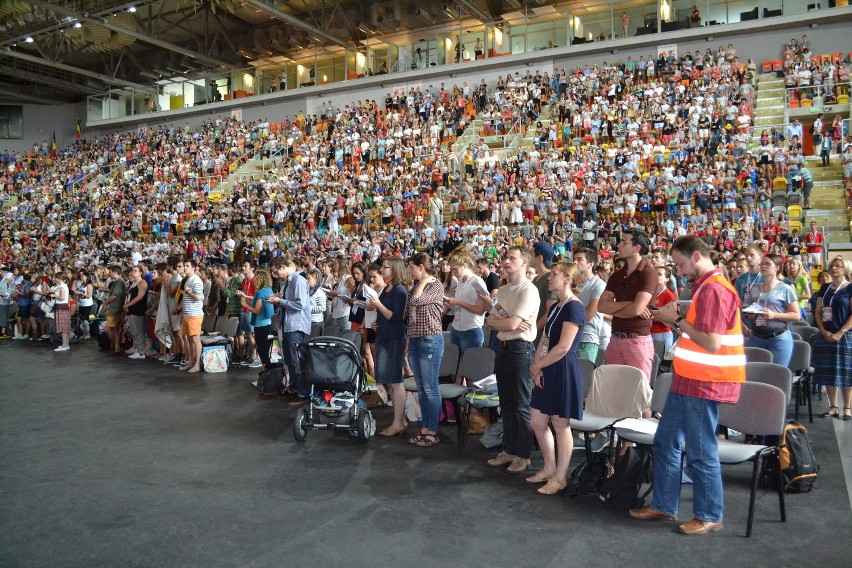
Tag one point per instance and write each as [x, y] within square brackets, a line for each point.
[518, 465]
[700, 527]
[648, 513]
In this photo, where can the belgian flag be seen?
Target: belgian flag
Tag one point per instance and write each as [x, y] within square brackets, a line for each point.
[53, 146]
[79, 129]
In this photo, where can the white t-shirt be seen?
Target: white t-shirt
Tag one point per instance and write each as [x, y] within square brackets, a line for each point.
[467, 291]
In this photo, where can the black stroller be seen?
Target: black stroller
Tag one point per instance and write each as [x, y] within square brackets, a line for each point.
[333, 368]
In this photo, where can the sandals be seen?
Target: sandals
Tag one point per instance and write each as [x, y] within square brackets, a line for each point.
[424, 440]
[540, 477]
[831, 414]
[846, 416]
[552, 487]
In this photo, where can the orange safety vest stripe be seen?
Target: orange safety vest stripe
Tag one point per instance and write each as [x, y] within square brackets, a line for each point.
[727, 364]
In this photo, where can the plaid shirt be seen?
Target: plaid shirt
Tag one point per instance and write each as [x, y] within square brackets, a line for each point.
[716, 310]
[424, 311]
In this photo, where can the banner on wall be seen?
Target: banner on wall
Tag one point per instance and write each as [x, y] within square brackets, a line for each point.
[237, 114]
[666, 48]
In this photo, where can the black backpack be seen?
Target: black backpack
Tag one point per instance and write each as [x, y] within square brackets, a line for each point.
[271, 380]
[623, 489]
[798, 465]
[589, 475]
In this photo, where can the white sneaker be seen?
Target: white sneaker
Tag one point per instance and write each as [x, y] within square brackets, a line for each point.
[130, 351]
[136, 356]
[257, 363]
[60, 348]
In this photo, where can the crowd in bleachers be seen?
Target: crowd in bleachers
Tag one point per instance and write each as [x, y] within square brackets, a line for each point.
[662, 143]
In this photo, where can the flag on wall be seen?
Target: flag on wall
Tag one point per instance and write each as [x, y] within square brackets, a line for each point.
[53, 146]
[79, 129]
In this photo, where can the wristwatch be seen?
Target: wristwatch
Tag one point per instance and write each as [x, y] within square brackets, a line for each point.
[676, 323]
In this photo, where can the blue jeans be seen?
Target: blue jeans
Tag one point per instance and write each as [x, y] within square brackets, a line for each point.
[289, 343]
[466, 339]
[424, 357]
[665, 338]
[781, 347]
[692, 421]
[514, 386]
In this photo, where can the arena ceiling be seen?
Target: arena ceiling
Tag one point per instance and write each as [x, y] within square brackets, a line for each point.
[65, 50]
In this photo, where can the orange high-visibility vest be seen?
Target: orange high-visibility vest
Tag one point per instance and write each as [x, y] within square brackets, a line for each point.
[727, 365]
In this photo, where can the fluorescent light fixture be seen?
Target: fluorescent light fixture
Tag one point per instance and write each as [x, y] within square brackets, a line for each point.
[131, 9]
[28, 39]
[78, 25]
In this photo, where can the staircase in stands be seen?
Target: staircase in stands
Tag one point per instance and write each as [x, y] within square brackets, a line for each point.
[828, 197]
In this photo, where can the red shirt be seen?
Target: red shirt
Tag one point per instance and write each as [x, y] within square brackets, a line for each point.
[663, 298]
[813, 240]
[248, 289]
[716, 311]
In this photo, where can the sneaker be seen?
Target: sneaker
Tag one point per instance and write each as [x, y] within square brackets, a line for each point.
[5, 336]
[45, 337]
[60, 348]
[136, 356]
[172, 359]
[257, 363]
[186, 367]
[194, 370]
[518, 465]
[130, 351]
[151, 353]
[180, 362]
[502, 459]
[579, 442]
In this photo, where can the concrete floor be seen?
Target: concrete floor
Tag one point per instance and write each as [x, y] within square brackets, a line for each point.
[106, 461]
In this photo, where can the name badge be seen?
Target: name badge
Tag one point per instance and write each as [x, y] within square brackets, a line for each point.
[545, 345]
[826, 313]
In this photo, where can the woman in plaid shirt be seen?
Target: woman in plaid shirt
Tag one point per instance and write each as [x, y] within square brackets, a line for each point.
[425, 343]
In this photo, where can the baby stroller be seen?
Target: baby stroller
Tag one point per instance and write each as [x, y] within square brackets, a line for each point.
[333, 368]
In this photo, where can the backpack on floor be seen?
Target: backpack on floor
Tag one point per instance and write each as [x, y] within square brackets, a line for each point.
[798, 465]
[271, 380]
[588, 477]
[623, 489]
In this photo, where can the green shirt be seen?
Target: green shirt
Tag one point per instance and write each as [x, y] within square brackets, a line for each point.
[117, 289]
[234, 307]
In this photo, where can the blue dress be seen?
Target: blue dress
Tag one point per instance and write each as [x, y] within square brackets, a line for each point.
[562, 383]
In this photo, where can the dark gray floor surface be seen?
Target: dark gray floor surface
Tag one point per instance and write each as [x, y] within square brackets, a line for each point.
[106, 461]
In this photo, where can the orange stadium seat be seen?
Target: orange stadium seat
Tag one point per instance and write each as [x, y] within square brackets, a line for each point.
[777, 65]
[767, 66]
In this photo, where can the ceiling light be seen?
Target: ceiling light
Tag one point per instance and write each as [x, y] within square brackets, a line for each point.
[131, 9]
[78, 25]
[28, 39]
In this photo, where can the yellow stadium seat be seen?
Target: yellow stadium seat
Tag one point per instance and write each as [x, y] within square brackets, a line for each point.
[779, 183]
[794, 212]
[796, 225]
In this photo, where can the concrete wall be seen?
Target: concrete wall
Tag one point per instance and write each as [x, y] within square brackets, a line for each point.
[41, 121]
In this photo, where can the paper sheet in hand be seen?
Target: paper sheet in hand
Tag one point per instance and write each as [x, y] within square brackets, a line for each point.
[753, 309]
